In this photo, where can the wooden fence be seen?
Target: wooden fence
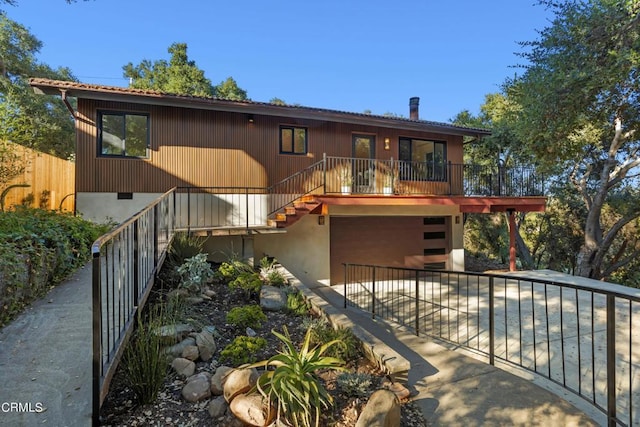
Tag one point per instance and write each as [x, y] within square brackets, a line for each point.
[50, 180]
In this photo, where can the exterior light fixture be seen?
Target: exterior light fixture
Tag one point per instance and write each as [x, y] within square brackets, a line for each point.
[386, 143]
[250, 118]
[321, 220]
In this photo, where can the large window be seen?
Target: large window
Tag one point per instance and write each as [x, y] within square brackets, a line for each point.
[293, 140]
[422, 160]
[123, 134]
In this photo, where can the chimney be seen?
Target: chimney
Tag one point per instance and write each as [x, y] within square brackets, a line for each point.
[413, 108]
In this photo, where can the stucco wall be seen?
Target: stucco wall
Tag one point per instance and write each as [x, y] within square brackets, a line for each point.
[105, 207]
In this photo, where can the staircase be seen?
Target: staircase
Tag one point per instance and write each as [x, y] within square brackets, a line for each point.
[292, 213]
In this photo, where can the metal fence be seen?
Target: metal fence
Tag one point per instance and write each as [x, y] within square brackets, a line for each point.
[125, 262]
[583, 338]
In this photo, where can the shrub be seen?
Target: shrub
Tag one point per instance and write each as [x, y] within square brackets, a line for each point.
[38, 249]
[296, 303]
[354, 384]
[348, 347]
[292, 385]
[231, 270]
[270, 273]
[242, 350]
[144, 362]
[248, 316]
[195, 272]
[248, 283]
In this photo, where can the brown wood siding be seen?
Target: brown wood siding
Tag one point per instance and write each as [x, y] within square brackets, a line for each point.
[208, 148]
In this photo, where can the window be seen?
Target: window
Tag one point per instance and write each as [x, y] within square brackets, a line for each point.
[293, 140]
[422, 160]
[123, 134]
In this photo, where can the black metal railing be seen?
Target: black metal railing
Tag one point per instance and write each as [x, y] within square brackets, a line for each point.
[582, 337]
[347, 175]
[125, 262]
[208, 208]
[291, 189]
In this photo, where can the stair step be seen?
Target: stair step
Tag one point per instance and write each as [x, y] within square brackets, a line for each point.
[290, 210]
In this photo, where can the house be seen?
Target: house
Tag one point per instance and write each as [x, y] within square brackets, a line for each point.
[314, 188]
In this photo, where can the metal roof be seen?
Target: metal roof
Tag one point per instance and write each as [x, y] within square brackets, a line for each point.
[146, 96]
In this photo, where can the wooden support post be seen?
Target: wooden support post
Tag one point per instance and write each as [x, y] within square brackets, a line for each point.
[512, 239]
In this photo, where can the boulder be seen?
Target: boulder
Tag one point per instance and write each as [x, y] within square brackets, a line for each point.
[191, 352]
[184, 367]
[400, 391]
[206, 345]
[382, 410]
[176, 349]
[272, 298]
[171, 334]
[239, 381]
[218, 379]
[218, 407]
[197, 387]
[251, 409]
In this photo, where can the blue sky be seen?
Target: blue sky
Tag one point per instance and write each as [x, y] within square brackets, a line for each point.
[347, 55]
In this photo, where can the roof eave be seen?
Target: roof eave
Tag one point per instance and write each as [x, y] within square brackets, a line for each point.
[257, 109]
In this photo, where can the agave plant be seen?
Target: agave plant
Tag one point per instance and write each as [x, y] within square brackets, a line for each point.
[292, 386]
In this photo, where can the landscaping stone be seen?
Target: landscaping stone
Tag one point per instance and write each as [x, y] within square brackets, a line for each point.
[398, 389]
[250, 332]
[198, 387]
[206, 345]
[176, 349]
[194, 300]
[171, 334]
[382, 410]
[184, 367]
[250, 409]
[239, 381]
[191, 352]
[272, 298]
[218, 379]
[218, 407]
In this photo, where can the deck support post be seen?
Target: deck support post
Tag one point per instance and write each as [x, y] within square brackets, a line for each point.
[512, 239]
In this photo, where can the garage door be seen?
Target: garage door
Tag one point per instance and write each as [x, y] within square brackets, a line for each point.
[416, 242]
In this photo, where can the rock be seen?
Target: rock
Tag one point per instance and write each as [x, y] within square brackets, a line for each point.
[191, 352]
[382, 410]
[272, 298]
[239, 381]
[212, 330]
[184, 367]
[176, 349]
[194, 300]
[250, 409]
[218, 407]
[209, 293]
[250, 332]
[206, 345]
[400, 391]
[197, 388]
[218, 379]
[171, 334]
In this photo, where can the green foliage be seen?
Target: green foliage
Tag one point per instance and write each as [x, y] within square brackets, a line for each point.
[179, 75]
[232, 269]
[291, 384]
[184, 246]
[347, 347]
[195, 272]
[38, 249]
[355, 384]
[229, 89]
[270, 273]
[247, 316]
[26, 118]
[145, 365]
[242, 350]
[297, 304]
[248, 283]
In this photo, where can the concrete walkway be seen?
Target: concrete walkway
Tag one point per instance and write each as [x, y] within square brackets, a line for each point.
[45, 361]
